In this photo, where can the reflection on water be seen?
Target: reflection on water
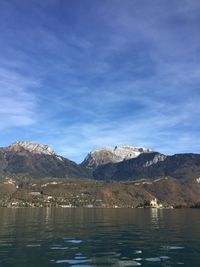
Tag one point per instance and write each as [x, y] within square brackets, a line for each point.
[156, 217]
[99, 237]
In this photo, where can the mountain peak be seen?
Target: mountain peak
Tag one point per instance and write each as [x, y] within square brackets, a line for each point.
[32, 147]
[106, 155]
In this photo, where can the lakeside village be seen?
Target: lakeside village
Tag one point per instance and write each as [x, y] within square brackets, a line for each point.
[54, 194]
[49, 201]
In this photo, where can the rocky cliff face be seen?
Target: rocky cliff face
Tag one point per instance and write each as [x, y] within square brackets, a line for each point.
[157, 157]
[112, 155]
[129, 152]
[31, 147]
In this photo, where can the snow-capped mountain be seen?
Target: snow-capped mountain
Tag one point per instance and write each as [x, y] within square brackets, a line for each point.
[37, 160]
[106, 155]
[32, 147]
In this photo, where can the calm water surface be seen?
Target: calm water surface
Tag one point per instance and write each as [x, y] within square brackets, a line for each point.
[99, 237]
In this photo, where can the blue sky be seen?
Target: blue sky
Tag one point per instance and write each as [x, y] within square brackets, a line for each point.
[78, 75]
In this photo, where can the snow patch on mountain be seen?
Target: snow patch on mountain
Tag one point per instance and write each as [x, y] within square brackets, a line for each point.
[157, 158]
[129, 152]
[33, 148]
[106, 155]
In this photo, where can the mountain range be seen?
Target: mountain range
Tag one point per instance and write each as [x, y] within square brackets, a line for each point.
[121, 163]
[138, 173]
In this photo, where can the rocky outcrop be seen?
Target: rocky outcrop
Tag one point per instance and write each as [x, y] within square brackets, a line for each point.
[129, 152]
[157, 158]
[103, 156]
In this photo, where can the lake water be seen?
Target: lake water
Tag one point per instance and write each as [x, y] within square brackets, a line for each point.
[99, 237]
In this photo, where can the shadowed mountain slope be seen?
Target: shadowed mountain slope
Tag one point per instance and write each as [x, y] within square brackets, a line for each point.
[152, 165]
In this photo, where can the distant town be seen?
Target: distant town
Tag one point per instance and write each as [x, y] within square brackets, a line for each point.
[72, 193]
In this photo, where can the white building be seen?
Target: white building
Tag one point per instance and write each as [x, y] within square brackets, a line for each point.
[154, 203]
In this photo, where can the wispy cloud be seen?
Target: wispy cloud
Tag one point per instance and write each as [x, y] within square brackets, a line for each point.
[17, 102]
[101, 74]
